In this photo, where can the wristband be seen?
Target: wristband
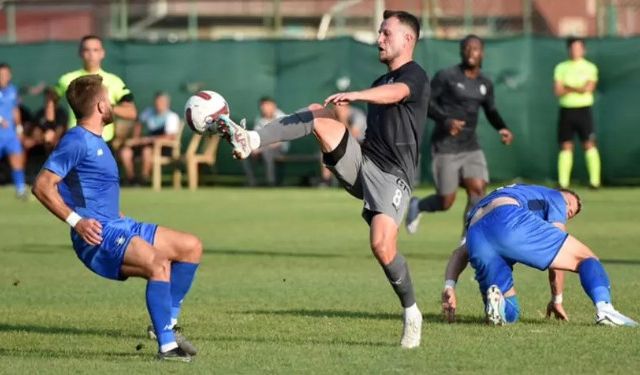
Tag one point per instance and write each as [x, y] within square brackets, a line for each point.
[73, 219]
[450, 284]
[557, 299]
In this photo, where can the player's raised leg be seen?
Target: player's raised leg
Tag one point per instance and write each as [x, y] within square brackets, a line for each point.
[314, 118]
[577, 257]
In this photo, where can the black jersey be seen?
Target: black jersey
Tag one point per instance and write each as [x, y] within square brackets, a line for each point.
[456, 96]
[393, 134]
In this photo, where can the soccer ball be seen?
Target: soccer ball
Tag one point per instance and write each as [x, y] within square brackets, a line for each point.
[203, 109]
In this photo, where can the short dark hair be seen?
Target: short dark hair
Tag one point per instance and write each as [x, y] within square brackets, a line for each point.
[83, 93]
[574, 39]
[88, 37]
[266, 98]
[464, 41]
[4, 65]
[569, 191]
[405, 18]
[160, 93]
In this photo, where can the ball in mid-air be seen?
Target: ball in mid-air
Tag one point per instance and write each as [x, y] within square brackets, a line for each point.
[203, 109]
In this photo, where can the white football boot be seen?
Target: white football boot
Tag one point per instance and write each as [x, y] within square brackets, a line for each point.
[413, 216]
[495, 306]
[608, 316]
[412, 330]
[236, 135]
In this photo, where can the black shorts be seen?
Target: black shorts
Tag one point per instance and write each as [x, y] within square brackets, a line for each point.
[575, 120]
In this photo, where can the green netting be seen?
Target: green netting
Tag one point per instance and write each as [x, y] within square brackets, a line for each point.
[297, 73]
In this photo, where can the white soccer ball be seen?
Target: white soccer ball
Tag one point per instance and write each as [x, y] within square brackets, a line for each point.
[203, 109]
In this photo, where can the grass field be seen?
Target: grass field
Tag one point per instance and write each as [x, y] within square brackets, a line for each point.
[288, 285]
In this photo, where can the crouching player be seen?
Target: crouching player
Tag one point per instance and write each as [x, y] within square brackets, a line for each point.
[79, 184]
[526, 224]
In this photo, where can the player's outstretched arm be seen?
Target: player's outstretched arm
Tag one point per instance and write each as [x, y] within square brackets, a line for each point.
[457, 263]
[383, 94]
[555, 307]
[46, 190]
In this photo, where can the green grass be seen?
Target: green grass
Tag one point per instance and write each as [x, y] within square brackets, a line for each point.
[288, 285]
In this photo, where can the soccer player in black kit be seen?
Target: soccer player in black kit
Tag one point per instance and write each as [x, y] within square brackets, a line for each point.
[457, 93]
[379, 172]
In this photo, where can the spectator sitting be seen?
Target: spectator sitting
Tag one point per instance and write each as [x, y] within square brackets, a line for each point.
[157, 122]
[268, 112]
[48, 125]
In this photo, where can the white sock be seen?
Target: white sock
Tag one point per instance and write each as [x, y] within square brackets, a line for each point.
[604, 306]
[412, 310]
[254, 139]
[170, 346]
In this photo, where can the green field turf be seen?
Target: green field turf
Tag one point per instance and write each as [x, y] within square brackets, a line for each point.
[288, 285]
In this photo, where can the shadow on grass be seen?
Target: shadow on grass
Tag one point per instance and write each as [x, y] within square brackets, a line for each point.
[52, 330]
[630, 262]
[294, 341]
[270, 253]
[428, 317]
[72, 354]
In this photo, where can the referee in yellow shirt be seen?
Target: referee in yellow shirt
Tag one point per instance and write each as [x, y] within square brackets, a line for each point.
[92, 53]
[575, 82]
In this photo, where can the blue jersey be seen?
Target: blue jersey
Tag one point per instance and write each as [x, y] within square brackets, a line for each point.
[548, 204]
[9, 101]
[90, 180]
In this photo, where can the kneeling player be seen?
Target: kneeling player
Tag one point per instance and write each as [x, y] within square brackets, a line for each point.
[526, 224]
[79, 183]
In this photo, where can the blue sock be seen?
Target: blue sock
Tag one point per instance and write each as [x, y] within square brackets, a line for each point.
[182, 275]
[159, 306]
[18, 180]
[511, 309]
[594, 280]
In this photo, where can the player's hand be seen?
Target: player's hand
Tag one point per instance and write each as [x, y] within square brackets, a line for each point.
[341, 98]
[90, 230]
[557, 310]
[455, 126]
[4, 123]
[506, 136]
[449, 304]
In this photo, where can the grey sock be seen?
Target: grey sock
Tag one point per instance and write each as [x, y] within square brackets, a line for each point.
[398, 275]
[287, 128]
[431, 203]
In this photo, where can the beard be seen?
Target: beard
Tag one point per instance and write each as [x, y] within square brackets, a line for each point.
[107, 117]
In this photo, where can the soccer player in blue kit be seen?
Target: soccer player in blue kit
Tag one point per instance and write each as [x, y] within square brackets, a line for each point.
[79, 183]
[9, 127]
[526, 224]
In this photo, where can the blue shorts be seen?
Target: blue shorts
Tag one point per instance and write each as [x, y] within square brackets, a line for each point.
[507, 235]
[10, 146]
[106, 259]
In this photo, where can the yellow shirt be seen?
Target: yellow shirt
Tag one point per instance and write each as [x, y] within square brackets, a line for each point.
[117, 90]
[576, 74]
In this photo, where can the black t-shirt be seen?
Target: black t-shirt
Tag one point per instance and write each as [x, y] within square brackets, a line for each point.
[60, 116]
[394, 131]
[455, 96]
